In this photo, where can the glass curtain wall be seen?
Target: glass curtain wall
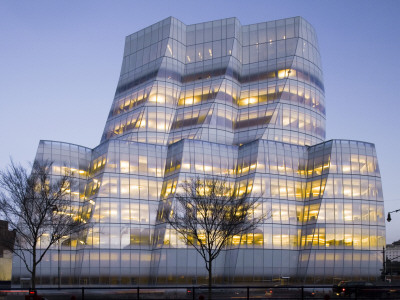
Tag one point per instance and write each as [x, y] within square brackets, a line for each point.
[241, 103]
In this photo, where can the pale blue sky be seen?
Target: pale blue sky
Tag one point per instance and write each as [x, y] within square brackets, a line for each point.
[60, 62]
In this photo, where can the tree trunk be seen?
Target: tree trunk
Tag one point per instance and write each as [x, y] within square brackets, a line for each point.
[33, 274]
[33, 279]
[209, 280]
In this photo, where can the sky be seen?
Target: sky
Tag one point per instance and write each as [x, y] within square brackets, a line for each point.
[60, 63]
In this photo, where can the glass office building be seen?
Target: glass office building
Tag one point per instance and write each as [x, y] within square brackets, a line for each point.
[219, 99]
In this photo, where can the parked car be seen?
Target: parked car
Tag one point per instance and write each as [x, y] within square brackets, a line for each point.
[337, 289]
[288, 292]
[359, 289]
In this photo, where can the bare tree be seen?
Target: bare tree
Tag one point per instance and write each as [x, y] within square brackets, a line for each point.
[38, 208]
[209, 212]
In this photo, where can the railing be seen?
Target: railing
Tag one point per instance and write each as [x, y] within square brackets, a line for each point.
[201, 292]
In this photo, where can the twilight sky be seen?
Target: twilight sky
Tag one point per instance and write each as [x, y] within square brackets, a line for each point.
[60, 63]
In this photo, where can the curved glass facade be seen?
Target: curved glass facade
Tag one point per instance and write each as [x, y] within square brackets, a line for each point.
[219, 99]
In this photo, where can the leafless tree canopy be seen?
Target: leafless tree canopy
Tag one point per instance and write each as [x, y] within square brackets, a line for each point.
[208, 213]
[37, 207]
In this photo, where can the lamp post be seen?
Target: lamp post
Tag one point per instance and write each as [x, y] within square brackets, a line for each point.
[384, 264]
[389, 218]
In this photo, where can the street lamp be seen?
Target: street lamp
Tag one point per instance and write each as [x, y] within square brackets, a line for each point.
[389, 218]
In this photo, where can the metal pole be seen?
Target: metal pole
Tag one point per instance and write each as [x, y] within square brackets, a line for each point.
[193, 296]
[302, 293]
[59, 270]
[83, 293]
[248, 293]
[384, 263]
[137, 293]
[391, 276]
